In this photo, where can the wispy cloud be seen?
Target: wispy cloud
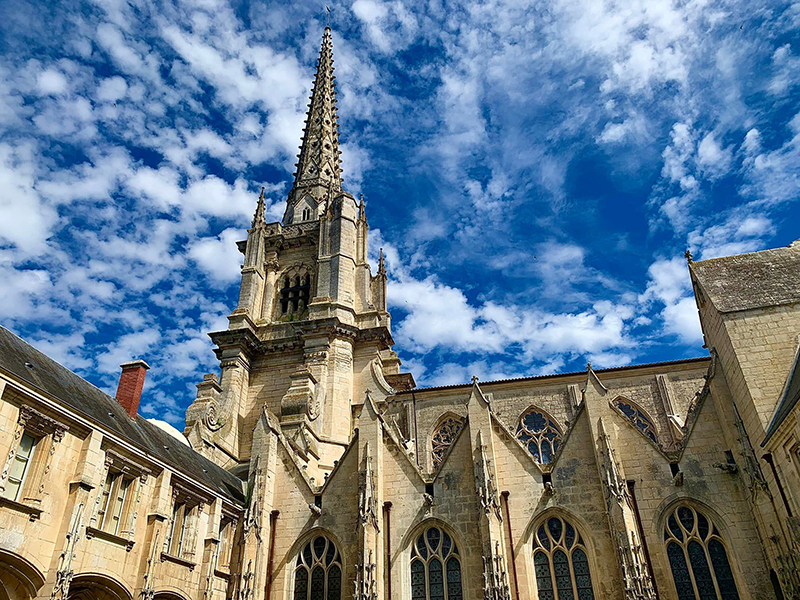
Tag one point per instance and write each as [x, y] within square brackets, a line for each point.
[533, 171]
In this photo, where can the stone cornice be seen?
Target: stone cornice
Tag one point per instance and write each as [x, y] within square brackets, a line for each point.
[243, 338]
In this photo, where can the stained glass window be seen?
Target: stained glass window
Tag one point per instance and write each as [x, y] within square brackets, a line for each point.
[638, 417]
[539, 433]
[430, 579]
[697, 557]
[561, 563]
[443, 438]
[318, 571]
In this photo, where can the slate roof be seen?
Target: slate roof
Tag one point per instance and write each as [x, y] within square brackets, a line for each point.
[24, 362]
[452, 386]
[755, 280]
[788, 401]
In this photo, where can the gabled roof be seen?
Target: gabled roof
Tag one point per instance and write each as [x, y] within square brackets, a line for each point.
[755, 280]
[791, 395]
[25, 363]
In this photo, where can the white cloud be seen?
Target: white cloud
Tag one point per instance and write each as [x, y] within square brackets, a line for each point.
[128, 347]
[51, 82]
[219, 256]
[25, 221]
[112, 89]
[713, 160]
[669, 286]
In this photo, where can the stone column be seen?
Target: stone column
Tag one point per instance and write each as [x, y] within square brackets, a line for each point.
[268, 303]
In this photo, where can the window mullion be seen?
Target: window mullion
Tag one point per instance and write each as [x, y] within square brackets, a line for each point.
[553, 574]
[427, 576]
[113, 494]
[690, 567]
[572, 574]
[712, 570]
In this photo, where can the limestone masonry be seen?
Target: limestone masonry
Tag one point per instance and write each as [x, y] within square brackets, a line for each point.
[316, 470]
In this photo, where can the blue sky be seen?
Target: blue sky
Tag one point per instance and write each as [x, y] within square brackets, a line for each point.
[534, 171]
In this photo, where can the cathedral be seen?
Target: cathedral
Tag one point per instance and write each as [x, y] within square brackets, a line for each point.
[313, 468]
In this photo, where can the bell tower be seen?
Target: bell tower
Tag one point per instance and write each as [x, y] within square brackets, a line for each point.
[311, 332]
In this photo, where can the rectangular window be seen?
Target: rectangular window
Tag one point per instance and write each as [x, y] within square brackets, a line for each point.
[177, 529]
[115, 495]
[225, 535]
[20, 466]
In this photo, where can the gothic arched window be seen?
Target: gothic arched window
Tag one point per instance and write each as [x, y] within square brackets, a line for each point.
[560, 562]
[318, 572]
[638, 417]
[539, 432]
[443, 438]
[697, 557]
[435, 567]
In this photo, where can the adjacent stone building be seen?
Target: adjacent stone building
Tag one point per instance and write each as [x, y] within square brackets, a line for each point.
[316, 470]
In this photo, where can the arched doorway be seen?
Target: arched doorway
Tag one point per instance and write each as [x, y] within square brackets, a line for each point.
[19, 579]
[97, 587]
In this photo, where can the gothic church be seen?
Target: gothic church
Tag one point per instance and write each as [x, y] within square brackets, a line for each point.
[315, 469]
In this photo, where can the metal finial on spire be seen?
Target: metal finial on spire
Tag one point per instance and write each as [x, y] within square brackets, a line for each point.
[328, 11]
[260, 210]
[688, 256]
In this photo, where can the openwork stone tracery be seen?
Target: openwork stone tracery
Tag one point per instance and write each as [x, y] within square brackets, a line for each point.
[561, 562]
[435, 567]
[443, 438]
[697, 556]
[540, 434]
[640, 419]
[318, 571]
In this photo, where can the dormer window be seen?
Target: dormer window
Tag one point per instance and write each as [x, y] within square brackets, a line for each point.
[306, 214]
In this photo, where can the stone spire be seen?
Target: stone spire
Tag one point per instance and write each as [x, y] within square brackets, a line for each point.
[258, 217]
[318, 162]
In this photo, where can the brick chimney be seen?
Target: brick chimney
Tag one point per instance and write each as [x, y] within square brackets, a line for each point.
[131, 382]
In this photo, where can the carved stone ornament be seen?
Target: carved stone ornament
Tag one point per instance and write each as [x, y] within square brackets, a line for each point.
[65, 573]
[613, 481]
[252, 517]
[246, 589]
[366, 588]
[367, 502]
[212, 418]
[148, 589]
[495, 578]
[315, 406]
[39, 425]
[484, 482]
